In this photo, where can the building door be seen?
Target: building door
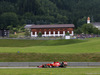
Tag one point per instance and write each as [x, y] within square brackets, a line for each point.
[4, 33]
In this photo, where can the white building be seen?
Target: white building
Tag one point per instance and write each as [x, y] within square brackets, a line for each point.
[52, 30]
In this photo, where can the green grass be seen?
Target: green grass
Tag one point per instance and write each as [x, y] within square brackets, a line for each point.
[55, 71]
[43, 57]
[32, 46]
[30, 43]
[50, 50]
[17, 35]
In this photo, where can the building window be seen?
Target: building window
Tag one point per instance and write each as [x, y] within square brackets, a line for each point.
[47, 32]
[51, 32]
[61, 32]
[56, 32]
[33, 33]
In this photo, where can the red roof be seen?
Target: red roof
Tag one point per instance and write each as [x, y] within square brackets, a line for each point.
[52, 26]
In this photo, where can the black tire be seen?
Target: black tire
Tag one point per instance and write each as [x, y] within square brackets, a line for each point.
[46, 66]
[64, 66]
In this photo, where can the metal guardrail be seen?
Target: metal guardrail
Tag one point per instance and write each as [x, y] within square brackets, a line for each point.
[30, 64]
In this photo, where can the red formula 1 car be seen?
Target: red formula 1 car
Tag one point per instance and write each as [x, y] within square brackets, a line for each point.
[53, 65]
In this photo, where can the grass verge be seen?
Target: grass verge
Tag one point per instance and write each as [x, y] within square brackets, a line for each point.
[55, 71]
[51, 46]
[43, 57]
[30, 43]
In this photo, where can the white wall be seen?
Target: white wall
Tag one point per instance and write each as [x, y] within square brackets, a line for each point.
[46, 35]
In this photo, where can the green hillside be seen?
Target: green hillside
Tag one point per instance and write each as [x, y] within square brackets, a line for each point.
[17, 13]
[87, 50]
[51, 46]
[30, 43]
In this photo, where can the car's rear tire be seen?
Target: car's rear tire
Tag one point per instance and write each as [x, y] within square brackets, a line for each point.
[46, 66]
[64, 66]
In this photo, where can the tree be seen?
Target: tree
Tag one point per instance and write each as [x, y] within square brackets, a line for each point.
[6, 7]
[50, 11]
[39, 34]
[27, 33]
[48, 7]
[9, 18]
[32, 6]
[81, 21]
[87, 28]
[78, 30]
[96, 31]
[28, 17]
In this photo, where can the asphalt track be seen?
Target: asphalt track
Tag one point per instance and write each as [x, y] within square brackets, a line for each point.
[32, 64]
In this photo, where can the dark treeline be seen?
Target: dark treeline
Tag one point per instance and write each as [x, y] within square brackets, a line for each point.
[19, 12]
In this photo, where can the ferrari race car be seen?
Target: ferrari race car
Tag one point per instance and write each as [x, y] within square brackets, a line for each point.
[54, 65]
